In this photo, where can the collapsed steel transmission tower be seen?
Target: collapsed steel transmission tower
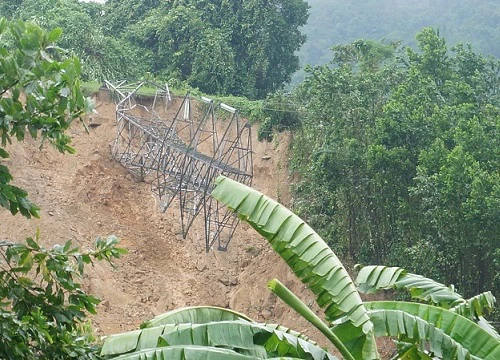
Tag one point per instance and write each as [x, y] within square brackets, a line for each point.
[181, 155]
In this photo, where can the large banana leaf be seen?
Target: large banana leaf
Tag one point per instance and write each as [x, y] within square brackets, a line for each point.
[307, 255]
[245, 338]
[446, 333]
[186, 353]
[192, 353]
[195, 315]
[373, 278]
[207, 314]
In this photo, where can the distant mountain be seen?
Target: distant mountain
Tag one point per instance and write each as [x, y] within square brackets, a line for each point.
[333, 22]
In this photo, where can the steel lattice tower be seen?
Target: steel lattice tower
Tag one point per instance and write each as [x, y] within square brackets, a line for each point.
[182, 156]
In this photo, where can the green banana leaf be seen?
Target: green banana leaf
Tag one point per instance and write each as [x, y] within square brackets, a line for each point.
[446, 333]
[245, 338]
[307, 255]
[186, 353]
[195, 315]
[192, 353]
[476, 305]
[373, 278]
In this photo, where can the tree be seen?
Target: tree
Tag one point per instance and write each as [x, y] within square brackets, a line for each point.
[102, 56]
[386, 171]
[452, 327]
[340, 21]
[446, 171]
[43, 307]
[40, 97]
[226, 47]
[43, 314]
[340, 104]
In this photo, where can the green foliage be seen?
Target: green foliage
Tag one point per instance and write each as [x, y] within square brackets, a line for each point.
[398, 158]
[441, 331]
[102, 56]
[245, 48]
[204, 329]
[43, 306]
[40, 97]
[305, 252]
[371, 279]
[333, 22]
[279, 113]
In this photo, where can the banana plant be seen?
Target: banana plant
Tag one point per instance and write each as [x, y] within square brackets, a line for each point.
[207, 332]
[447, 326]
[374, 278]
[309, 257]
[421, 329]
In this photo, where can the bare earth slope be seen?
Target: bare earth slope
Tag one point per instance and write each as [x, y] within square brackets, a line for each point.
[88, 194]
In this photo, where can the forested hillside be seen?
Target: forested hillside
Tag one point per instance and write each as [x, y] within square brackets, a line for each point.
[334, 22]
[221, 47]
[397, 157]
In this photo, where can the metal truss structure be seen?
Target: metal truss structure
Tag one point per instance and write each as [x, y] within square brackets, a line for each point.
[181, 155]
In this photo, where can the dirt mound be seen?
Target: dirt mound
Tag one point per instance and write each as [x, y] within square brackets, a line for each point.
[89, 194]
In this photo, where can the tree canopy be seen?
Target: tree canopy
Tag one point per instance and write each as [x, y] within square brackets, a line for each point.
[397, 156]
[221, 47]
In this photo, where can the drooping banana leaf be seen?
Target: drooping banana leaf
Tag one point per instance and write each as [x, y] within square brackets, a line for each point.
[195, 315]
[373, 278]
[306, 253]
[245, 338]
[476, 305]
[445, 332]
[474, 309]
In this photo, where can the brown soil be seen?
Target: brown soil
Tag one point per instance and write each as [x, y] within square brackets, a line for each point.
[87, 195]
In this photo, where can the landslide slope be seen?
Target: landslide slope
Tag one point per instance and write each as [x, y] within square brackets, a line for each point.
[88, 194]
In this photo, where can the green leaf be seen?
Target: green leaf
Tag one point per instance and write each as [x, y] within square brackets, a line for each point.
[304, 251]
[195, 315]
[121, 343]
[186, 353]
[443, 330]
[373, 278]
[54, 34]
[32, 243]
[476, 305]
[3, 154]
[241, 336]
